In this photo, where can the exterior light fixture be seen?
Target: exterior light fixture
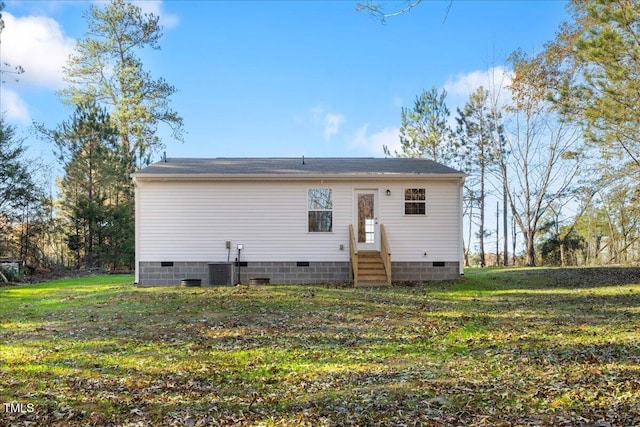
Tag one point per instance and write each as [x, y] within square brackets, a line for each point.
[388, 192]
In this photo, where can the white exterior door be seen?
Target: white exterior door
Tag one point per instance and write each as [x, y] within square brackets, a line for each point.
[367, 228]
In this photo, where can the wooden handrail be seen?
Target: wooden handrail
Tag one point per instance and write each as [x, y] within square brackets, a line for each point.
[353, 255]
[385, 251]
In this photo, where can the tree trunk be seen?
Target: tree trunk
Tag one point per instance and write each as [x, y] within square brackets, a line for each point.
[468, 247]
[465, 252]
[514, 232]
[530, 260]
[482, 257]
[505, 247]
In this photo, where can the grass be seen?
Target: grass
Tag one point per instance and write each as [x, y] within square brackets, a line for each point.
[499, 347]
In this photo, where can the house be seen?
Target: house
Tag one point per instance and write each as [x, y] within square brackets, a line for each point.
[298, 220]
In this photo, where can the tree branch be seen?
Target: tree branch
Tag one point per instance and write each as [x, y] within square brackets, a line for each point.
[376, 9]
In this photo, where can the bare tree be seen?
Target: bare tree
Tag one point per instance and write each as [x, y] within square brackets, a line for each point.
[541, 158]
[378, 10]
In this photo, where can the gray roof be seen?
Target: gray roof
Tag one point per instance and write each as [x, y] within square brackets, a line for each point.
[289, 166]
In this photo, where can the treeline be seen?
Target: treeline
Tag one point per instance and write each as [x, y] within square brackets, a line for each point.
[556, 140]
[88, 220]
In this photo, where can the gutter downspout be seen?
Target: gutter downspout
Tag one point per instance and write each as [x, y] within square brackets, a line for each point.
[136, 191]
[460, 227]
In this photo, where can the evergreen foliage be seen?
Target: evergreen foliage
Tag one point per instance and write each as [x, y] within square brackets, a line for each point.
[112, 132]
[106, 69]
[480, 135]
[425, 132]
[94, 189]
[17, 188]
[601, 48]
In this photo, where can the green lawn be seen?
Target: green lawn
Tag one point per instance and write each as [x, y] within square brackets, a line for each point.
[500, 347]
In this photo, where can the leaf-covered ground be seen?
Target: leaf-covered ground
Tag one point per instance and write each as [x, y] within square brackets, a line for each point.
[499, 347]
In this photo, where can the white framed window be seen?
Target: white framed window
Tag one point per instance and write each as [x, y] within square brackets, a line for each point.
[415, 201]
[320, 210]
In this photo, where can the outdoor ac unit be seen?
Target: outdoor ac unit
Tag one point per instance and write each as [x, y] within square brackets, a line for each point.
[221, 274]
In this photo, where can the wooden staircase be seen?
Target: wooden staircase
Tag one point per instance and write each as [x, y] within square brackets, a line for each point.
[370, 268]
[371, 271]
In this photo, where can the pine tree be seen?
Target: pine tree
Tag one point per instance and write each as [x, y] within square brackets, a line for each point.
[480, 134]
[95, 184]
[105, 69]
[425, 132]
[600, 54]
[17, 188]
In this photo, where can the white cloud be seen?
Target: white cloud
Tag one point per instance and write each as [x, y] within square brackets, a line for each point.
[329, 122]
[167, 20]
[13, 106]
[332, 124]
[372, 143]
[38, 44]
[496, 80]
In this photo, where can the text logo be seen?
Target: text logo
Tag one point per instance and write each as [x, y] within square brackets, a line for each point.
[19, 408]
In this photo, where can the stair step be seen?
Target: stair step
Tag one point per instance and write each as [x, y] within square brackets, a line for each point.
[369, 254]
[372, 278]
[371, 270]
[374, 266]
[362, 273]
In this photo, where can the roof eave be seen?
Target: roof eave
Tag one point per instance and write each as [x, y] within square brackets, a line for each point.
[289, 177]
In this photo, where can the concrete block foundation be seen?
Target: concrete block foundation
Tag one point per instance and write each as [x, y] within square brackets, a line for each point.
[171, 273]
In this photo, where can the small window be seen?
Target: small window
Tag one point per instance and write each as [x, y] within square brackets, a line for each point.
[415, 201]
[320, 206]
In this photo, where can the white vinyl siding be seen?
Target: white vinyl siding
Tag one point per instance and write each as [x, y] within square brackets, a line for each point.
[191, 221]
[437, 234]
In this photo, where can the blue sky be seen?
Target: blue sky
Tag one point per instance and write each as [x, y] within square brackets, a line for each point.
[285, 78]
